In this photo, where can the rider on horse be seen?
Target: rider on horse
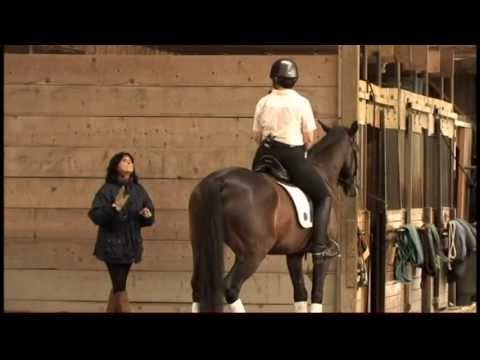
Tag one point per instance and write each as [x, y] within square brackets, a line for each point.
[284, 127]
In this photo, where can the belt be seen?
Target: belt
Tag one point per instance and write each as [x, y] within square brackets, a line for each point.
[279, 145]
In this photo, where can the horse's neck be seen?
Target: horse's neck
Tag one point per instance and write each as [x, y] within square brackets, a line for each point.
[329, 162]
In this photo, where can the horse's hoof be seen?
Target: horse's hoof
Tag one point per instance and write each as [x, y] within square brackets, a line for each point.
[316, 308]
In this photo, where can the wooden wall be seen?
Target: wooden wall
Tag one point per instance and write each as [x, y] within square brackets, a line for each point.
[182, 117]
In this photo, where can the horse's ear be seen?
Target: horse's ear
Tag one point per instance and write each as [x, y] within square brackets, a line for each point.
[353, 129]
[324, 127]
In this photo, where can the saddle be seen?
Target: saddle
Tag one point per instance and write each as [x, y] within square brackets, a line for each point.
[270, 165]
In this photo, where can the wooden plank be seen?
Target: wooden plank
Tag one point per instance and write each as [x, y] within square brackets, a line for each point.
[465, 149]
[143, 286]
[393, 288]
[92, 162]
[58, 193]
[394, 304]
[151, 132]
[150, 101]
[396, 215]
[448, 114]
[60, 224]
[163, 70]
[447, 126]
[417, 217]
[434, 60]
[420, 57]
[32, 306]
[447, 61]
[165, 256]
[463, 124]
[19, 223]
[403, 54]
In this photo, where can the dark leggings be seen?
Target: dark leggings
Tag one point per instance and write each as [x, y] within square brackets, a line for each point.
[118, 274]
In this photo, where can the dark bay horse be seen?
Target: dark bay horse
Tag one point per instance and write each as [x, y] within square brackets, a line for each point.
[255, 217]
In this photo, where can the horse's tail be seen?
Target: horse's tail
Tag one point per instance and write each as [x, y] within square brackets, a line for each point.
[209, 231]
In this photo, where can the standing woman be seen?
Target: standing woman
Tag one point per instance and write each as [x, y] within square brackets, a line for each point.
[120, 208]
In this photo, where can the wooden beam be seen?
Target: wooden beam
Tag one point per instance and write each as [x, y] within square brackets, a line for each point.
[143, 286]
[427, 66]
[57, 193]
[140, 133]
[464, 145]
[58, 224]
[162, 70]
[365, 63]
[64, 162]
[79, 100]
[347, 287]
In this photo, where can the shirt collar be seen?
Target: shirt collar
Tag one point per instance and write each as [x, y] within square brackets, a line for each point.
[282, 91]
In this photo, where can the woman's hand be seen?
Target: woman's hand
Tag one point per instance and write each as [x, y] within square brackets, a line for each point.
[146, 213]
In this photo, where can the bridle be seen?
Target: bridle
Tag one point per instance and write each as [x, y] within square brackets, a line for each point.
[351, 179]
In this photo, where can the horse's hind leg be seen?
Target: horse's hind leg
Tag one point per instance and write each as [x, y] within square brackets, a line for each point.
[195, 288]
[300, 295]
[242, 269]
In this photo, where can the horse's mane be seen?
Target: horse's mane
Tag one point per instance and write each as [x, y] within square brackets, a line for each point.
[333, 136]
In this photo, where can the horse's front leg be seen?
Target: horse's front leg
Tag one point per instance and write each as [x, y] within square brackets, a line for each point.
[300, 295]
[320, 269]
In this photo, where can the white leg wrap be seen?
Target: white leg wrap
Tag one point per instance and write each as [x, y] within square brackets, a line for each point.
[195, 307]
[237, 307]
[301, 306]
[316, 308]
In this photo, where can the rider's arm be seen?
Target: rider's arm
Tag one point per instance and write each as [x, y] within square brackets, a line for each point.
[308, 125]
[257, 129]
[308, 139]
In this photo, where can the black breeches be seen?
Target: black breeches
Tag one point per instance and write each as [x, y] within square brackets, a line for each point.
[118, 274]
[300, 169]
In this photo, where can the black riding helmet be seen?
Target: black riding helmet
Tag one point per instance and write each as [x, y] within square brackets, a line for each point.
[284, 72]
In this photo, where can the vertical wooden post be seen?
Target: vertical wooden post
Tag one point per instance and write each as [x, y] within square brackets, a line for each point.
[347, 264]
[452, 84]
[408, 189]
[399, 76]
[365, 63]
[442, 87]
[427, 58]
[379, 68]
[464, 144]
[438, 201]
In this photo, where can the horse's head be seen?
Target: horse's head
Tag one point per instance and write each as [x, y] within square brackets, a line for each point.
[349, 167]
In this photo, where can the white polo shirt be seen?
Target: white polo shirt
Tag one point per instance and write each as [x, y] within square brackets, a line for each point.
[286, 115]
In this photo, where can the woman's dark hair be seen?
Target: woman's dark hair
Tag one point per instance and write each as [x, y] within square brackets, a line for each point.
[286, 83]
[112, 172]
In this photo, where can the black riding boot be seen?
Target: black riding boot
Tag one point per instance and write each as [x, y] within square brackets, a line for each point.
[321, 246]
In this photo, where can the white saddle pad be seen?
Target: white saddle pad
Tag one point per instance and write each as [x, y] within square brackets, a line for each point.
[302, 204]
